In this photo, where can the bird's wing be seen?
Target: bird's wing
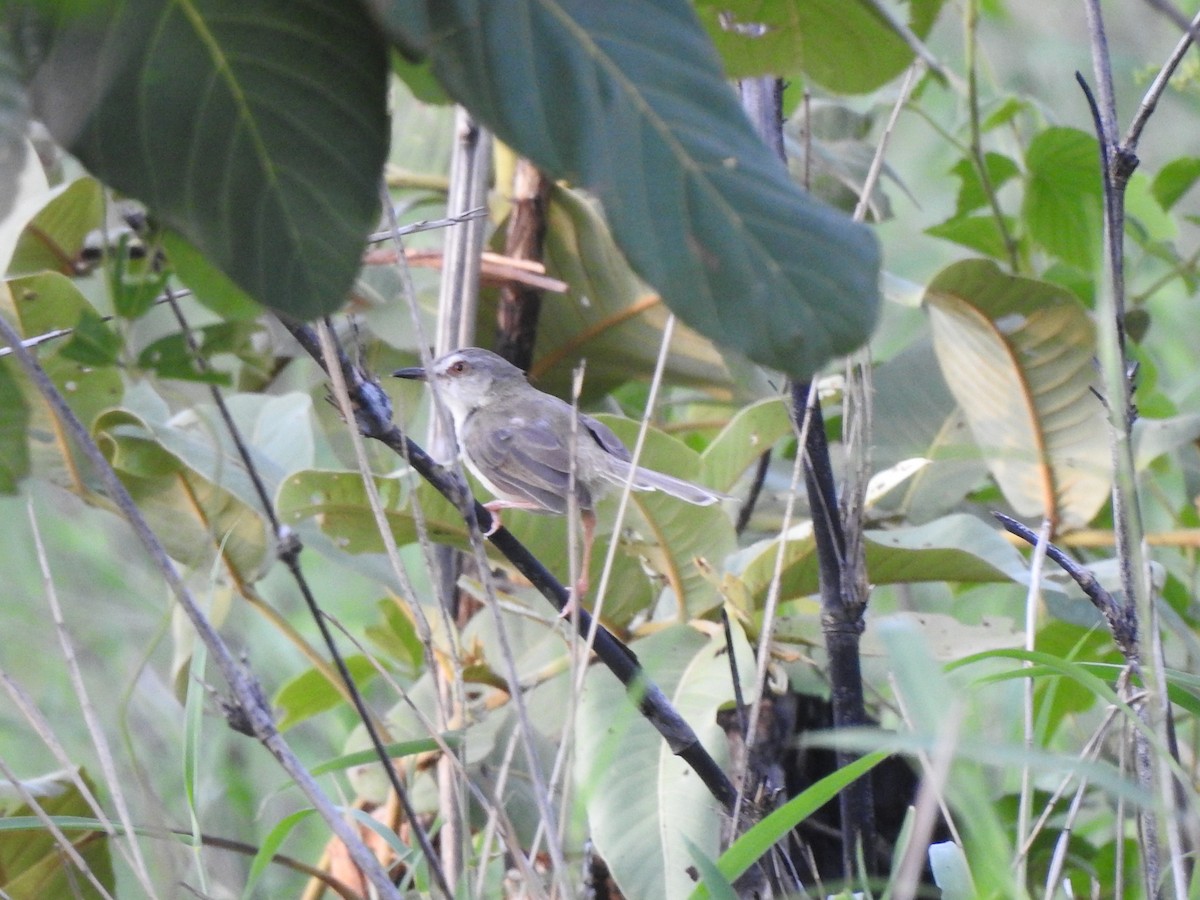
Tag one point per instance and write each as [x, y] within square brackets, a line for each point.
[604, 436]
[526, 461]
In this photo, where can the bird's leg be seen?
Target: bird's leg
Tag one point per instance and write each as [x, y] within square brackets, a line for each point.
[494, 507]
[588, 519]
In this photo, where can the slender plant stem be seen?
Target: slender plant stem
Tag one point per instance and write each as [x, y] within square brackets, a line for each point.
[250, 710]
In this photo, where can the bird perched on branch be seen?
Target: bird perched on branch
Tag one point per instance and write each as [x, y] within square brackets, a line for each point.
[518, 441]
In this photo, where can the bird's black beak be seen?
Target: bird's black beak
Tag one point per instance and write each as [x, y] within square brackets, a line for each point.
[416, 373]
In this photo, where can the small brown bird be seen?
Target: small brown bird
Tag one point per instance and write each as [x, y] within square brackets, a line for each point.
[517, 441]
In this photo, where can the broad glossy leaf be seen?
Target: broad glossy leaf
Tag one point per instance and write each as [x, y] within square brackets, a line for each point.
[1017, 356]
[847, 46]
[256, 132]
[674, 539]
[1063, 203]
[752, 432]
[627, 99]
[638, 823]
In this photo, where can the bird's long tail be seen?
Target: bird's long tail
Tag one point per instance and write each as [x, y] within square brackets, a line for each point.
[649, 480]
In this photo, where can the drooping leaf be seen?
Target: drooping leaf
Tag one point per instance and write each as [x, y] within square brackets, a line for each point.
[627, 99]
[1017, 356]
[980, 233]
[639, 823]
[847, 46]
[92, 342]
[256, 134]
[1063, 203]
[972, 194]
[171, 357]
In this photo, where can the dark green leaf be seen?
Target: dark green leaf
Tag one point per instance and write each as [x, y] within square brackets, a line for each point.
[92, 342]
[256, 132]
[1175, 179]
[1063, 202]
[627, 99]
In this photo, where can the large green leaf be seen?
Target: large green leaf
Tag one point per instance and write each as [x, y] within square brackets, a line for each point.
[642, 802]
[1017, 355]
[627, 99]
[847, 46]
[257, 131]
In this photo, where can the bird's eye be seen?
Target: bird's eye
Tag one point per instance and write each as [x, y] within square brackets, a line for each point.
[458, 368]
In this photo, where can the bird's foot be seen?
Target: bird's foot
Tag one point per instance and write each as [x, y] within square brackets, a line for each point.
[493, 508]
[573, 600]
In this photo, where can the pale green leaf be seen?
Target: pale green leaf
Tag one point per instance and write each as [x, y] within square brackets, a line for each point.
[1017, 354]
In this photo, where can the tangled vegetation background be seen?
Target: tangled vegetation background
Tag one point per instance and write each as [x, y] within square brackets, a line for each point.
[997, 318]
